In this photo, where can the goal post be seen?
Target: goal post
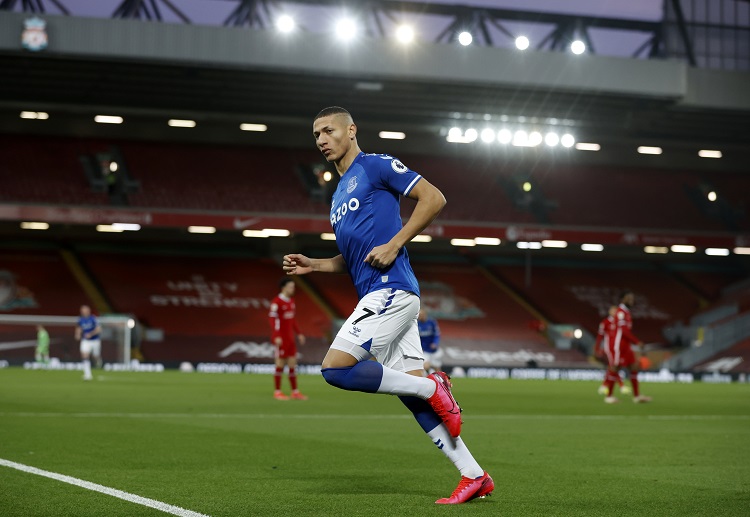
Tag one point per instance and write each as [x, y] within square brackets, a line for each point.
[18, 337]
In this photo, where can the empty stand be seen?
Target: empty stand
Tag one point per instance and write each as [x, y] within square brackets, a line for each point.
[580, 293]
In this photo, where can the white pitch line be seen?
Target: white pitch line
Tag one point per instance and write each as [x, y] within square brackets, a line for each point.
[144, 501]
[365, 417]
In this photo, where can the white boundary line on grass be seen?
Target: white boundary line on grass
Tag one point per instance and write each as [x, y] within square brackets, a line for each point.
[144, 501]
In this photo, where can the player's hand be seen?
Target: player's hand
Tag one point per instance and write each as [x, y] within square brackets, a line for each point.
[301, 338]
[277, 341]
[296, 264]
[382, 256]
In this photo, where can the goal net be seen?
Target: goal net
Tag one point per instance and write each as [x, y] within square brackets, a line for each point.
[18, 339]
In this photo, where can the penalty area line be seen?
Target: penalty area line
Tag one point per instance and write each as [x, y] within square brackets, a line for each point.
[132, 498]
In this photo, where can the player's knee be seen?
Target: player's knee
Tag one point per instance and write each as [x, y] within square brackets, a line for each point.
[337, 376]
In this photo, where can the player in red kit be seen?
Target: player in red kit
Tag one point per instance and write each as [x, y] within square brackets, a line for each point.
[606, 326]
[283, 328]
[619, 349]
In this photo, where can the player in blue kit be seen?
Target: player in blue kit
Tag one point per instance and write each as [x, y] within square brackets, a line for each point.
[371, 237]
[89, 331]
[429, 335]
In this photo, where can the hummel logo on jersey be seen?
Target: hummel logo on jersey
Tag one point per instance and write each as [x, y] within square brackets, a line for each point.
[355, 331]
[336, 215]
[352, 185]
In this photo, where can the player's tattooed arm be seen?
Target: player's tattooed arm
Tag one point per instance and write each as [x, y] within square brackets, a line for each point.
[296, 264]
[430, 201]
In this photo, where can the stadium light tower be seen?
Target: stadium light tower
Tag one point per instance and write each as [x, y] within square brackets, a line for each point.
[522, 42]
[578, 47]
[285, 24]
[346, 29]
[405, 34]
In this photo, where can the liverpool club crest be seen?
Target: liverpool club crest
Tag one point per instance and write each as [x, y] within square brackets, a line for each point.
[34, 36]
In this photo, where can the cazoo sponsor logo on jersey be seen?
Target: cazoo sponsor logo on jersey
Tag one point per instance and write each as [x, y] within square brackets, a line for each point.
[340, 211]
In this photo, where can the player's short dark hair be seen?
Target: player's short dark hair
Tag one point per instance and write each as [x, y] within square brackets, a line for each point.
[332, 110]
[284, 281]
[624, 293]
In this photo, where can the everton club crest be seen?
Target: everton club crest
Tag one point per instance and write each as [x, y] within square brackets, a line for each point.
[34, 36]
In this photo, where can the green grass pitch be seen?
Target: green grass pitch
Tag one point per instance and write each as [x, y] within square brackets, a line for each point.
[220, 445]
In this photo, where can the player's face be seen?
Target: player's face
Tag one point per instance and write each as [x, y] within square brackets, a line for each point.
[628, 299]
[288, 289]
[333, 136]
[85, 311]
[422, 315]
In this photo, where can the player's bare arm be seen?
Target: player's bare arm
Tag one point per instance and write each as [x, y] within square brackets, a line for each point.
[78, 333]
[430, 201]
[296, 264]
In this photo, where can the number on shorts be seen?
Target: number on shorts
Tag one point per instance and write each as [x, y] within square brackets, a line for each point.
[368, 313]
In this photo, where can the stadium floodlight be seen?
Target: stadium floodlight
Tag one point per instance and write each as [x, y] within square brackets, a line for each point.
[578, 47]
[254, 127]
[711, 196]
[526, 186]
[201, 229]
[535, 138]
[108, 228]
[645, 149]
[327, 176]
[405, 34]
[529, 245]
[554, 244]
[471, 134]
[346, 29]
[661, 250]
[522, 42]
[592, 247]
[487, 241]
[455, 133]
[588, 146]
[34, 225]
[176, 122]
[717, 252]
[113, 166]
[465, 38]
[504, 136]
[551, 139]
[683, 248]
[108, 119]
[258, 234]
[127, 227]
[578, 333]
[392, 135]
[276, 232]
[285, 24]
[463, 242]
[328, 236]
[488, 135]
[520, 138]
[567, 140]
[422, 238]
[35, 115]
[709, 153]
[741, 250]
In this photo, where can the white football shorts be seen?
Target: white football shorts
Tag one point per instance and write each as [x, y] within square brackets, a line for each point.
[384, 326]
[91, 347]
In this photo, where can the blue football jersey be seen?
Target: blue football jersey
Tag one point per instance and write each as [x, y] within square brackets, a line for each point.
[429, 334]
[88, 324]
[365, 213]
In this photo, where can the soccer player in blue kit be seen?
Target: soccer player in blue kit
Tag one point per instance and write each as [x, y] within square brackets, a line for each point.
[369, 233]
[88, 331]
